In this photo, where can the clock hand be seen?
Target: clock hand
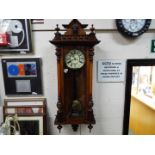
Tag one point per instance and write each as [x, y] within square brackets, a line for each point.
[68, 61]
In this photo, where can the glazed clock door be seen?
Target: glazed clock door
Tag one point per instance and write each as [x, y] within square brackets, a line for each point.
[75, 92]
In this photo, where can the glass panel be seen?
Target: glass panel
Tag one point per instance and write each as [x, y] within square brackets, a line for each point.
[142, 104]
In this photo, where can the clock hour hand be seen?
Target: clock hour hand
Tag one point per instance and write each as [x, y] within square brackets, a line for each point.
[68, 61]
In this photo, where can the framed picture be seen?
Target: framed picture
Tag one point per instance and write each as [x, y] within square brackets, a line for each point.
[15, 36]
[32, 125]
[31, 115]
[22, 76]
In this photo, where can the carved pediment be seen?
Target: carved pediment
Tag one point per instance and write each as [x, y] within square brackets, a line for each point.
[75, 34]
[75, 28]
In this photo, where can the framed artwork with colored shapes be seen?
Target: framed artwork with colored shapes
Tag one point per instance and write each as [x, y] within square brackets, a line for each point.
[21, 69]
[22, 76]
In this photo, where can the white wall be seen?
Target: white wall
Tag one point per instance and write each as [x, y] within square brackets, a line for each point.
[108, 97]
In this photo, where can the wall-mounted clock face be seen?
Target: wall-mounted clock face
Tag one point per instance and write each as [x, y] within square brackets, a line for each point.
[75, 59]
[133, 27]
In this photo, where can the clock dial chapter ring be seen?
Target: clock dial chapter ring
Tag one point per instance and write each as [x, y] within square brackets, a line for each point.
[75, 59]
[133, 25]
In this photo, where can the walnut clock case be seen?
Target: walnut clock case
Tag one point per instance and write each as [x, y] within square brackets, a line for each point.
[74, 51]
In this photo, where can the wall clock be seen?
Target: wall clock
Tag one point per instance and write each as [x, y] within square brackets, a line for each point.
[74, 51]
[132, 27]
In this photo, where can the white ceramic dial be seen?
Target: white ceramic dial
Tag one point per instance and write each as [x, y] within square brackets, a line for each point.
[133, 25]
[74, 59]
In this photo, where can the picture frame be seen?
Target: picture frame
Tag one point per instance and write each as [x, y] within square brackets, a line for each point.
[31, 114]
[26, 123]
[15, 36]
[22, 76]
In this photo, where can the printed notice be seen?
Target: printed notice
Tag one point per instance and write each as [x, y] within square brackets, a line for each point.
[111, 70]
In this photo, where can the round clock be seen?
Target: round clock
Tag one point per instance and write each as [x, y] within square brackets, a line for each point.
[132, 27]
[74, 59]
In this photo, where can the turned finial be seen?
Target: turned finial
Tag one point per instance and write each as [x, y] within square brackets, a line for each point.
[57, 28]
[92, 28]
